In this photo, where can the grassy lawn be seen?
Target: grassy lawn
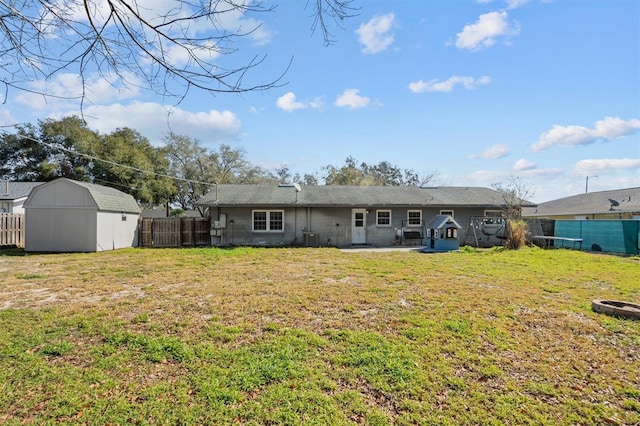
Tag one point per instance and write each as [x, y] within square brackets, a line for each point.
[317, 336]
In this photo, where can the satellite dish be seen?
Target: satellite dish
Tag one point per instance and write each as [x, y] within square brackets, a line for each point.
[614, 203]
[297, 187]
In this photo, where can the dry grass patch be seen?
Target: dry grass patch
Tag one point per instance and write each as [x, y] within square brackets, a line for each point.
[315, 336]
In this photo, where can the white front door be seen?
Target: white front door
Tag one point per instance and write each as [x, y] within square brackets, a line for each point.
[358, 226]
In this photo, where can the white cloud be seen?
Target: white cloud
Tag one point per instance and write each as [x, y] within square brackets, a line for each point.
[511, 4]
[485, 31]
[351, 99]
[569, 136]
[227, 20]
[540, 173]
[448, 85]
[514, 4]
[523, 164]
[587, 167]
[287, 102]
[6, 119]
[65, 90]
[154, 120]
[375, 35]
[317, 103]
[493, 152]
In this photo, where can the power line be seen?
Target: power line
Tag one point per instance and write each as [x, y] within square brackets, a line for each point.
[113, 163]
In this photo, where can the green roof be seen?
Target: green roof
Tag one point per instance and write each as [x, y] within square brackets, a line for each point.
[110, 199]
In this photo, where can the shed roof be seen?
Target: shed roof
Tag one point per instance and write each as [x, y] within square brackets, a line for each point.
[613, 201]
[105, 198]
[16, 190]
[111, 199]
[440, 220]
[350, 196]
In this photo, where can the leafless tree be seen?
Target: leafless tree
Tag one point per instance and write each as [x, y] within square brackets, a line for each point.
[515, 194]
[150, 44]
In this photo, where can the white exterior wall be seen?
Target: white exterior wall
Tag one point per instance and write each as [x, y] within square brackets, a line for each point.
[13, 206]
[114, 233]
[60, 229]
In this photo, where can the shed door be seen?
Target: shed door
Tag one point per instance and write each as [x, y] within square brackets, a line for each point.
[358, 226]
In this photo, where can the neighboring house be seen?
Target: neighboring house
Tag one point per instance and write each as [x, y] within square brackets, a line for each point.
[442, 234]
[613, 204]
[69, 216]
[337, 215]
[14, 194]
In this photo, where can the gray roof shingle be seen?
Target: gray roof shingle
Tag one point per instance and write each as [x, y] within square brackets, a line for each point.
[440, 220]
[341, 196]
[627, 200]
[16, 190]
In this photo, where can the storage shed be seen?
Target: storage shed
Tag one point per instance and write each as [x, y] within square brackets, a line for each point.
[442, 234]
[70, 216]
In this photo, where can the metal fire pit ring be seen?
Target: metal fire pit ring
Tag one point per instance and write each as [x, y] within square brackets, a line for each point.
[617, 308]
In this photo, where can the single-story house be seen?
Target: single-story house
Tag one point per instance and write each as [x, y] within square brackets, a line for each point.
[70, 216]
[336, 215]
[613, 204]
[14, 194]
[442, 233]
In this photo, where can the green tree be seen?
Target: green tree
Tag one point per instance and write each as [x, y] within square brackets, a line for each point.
[231, 166]
[348, 174]
[70, 138]
[197, 170]
[189, 163]
[383, 173]
[47, 151]
[130, 163]
[22, 157]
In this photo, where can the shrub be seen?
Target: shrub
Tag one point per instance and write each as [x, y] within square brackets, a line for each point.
[516, 234]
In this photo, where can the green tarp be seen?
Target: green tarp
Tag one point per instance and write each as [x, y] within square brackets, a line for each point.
[612, 236]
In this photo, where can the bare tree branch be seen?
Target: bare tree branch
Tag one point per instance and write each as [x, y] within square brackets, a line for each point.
[169, 51]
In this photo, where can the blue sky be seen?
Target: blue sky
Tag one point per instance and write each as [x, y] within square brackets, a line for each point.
[479, 91]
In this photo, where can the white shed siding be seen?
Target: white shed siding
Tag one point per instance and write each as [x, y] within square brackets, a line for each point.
[114, 232]
[66, 216]
[60, 230]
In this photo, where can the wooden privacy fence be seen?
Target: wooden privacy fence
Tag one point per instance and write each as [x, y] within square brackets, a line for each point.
[175, 232]
[11, 229]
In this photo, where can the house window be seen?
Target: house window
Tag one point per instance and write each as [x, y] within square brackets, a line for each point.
[383, 217]
[268, 220]
[452, 233]
[414, 217]
[446, 212]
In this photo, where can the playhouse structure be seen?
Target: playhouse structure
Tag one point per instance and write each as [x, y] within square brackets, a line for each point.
[442, 234]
